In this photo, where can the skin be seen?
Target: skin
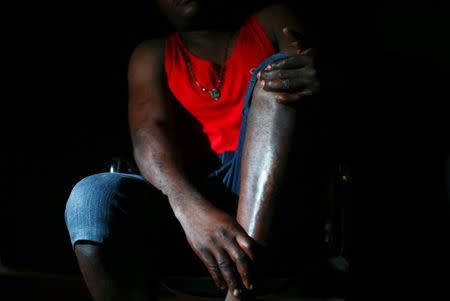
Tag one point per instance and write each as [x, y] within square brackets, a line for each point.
[227, 245]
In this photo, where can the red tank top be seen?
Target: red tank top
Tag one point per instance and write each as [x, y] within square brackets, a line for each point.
[220, 119]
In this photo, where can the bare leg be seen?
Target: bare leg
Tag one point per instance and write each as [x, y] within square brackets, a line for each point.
[268, 142]
[111, 278]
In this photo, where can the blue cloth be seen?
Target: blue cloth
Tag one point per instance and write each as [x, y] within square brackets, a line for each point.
[100, 202]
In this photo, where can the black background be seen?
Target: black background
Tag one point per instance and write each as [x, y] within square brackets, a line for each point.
[385, 69]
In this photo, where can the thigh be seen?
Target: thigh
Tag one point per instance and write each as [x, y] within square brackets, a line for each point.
[131, 220]
[99, 206]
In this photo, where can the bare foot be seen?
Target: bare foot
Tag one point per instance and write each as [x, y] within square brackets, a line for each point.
[245, 296]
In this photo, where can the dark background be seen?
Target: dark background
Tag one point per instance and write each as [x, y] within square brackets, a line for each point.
[64, 118]
[385, 72]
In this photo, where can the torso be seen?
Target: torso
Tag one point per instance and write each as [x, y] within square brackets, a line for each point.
[220, 119]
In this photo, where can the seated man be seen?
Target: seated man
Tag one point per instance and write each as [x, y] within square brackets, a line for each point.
[215, 119]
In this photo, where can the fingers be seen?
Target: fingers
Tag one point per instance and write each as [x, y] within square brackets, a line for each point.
[287, 85]
[295, 74]
[286, 98]
[306, 72]
[211, 265]
[289, 80]
[229, 274]
[303, 59]
[232, 266]
[243, 265]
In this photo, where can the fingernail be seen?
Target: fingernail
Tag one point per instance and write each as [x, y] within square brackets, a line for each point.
[269, 67]
[263, 83]
[236, 292]
[258, 75]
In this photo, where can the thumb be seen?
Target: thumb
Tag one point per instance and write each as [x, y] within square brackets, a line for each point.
[293, 39]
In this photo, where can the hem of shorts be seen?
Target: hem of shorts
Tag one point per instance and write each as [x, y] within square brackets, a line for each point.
[83, 235]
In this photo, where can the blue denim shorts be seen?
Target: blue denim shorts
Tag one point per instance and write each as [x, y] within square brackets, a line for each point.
[98, 203]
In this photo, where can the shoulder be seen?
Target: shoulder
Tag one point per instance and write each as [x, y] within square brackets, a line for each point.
[274, 17]
[148, 51]
[147, 57]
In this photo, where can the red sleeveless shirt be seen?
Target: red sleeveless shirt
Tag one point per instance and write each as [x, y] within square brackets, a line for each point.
[220, 119]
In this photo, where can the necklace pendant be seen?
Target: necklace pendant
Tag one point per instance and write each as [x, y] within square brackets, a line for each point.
[215, 94]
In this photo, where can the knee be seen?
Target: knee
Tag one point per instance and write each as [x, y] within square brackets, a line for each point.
[265, 102]
[263, 98]
[88, 192]
[99, 193]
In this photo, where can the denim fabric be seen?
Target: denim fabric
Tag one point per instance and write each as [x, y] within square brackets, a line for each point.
[100, 202]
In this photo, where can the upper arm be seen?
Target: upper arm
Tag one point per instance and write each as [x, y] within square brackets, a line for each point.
[147, 87]
[273, 18]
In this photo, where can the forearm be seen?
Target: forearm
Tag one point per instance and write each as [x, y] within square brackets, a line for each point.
[157, 159]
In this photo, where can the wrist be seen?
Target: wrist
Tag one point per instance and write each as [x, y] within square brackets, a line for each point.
[183, 202]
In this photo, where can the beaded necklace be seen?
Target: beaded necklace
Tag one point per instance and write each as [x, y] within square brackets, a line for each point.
[214, 92]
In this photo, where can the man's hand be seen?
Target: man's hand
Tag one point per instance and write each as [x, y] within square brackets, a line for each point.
[294, 77]
[222, 245]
